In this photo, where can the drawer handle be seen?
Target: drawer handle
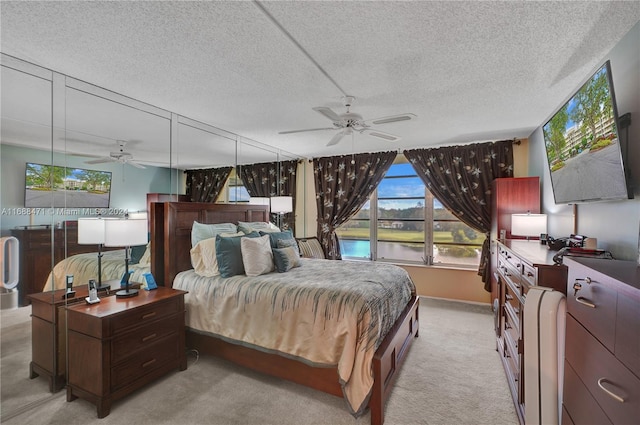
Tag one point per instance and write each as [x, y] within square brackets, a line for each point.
[529, 274]
[584, 301]
[148, 337]
[146, 316]
[611, 394]
[509, 297]
[149, 363]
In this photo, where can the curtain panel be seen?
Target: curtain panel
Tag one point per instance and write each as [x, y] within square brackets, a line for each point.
[460, 178]
[343, 185]
[269, 179]
[205, 185]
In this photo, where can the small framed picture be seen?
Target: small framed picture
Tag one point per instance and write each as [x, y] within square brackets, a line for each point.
[150, 282]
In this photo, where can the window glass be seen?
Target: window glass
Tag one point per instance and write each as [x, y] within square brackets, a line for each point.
[409, 225]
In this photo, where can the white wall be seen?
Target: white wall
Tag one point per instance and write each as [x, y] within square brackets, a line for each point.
[616, 225]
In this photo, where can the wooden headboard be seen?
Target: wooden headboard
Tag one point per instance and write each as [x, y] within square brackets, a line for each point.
[171, 231]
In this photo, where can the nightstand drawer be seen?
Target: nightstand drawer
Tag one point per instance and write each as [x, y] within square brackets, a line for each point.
[145, 314]
[578, 401]
[608, 381]
[156, 356]
[139, 339]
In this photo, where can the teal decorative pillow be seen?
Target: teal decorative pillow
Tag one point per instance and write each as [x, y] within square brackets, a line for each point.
[136, 253]
[274, 237]
[229, 254]
[201, 231]
[286, 258]
[285, 243]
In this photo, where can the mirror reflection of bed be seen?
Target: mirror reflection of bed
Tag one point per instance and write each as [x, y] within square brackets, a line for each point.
[372, 310]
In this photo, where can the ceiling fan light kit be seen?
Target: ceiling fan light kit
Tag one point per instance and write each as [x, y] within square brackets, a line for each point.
[348, 122]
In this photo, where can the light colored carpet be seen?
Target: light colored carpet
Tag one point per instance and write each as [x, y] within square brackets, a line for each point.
[452, 375]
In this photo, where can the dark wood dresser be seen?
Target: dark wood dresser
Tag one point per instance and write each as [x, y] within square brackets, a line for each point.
[121, 344]
[521, 264]
[38, 255]
[602, 350]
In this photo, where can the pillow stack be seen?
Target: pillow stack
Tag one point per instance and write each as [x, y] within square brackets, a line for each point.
[227, 250]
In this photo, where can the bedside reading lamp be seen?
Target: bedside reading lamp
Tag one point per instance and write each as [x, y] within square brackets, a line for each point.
[91, 232]
[528, 225]
[126, 232]
[281, 205]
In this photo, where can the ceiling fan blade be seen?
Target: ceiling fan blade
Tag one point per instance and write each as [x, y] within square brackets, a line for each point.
[135, 164]
[335, 139]
[308, 129]
[100, 160]
[390, 119]
[380, 135]
[327, 113]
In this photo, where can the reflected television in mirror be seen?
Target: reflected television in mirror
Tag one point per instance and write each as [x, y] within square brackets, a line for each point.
[582, 144]
[52, 186]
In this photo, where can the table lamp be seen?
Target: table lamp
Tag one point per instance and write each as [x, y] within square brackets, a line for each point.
[126, 232]
[528, 225]
[281, 205]
[91, 232]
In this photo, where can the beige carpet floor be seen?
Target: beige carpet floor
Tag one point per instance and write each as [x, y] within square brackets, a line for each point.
[452, 375]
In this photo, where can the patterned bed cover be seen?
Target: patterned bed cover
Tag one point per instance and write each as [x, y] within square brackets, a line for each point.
[325, 313]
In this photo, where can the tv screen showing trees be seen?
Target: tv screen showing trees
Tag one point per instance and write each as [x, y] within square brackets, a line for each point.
[52, 186]
[583, 147]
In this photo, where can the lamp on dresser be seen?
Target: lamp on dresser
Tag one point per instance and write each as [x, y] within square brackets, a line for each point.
[126, 232]
[91, 232]
[528, 225]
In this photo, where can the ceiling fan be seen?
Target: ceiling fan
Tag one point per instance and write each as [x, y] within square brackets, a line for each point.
[121, 156]
[349, 122]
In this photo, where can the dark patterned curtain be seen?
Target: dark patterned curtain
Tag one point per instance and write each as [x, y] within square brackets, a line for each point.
[205, 185]
[343, 185]
[460, 177]
[269, 179]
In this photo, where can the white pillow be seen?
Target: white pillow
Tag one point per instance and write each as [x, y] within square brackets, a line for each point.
[257, 226]
[203, 256]
[145, 260]
[256, 255]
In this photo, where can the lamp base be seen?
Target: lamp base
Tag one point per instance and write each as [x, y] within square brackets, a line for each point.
[126, 293]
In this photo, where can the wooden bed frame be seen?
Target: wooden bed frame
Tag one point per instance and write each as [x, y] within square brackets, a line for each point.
[171, 241]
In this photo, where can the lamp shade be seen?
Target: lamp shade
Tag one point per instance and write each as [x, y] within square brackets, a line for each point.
[125, 232]
[281, 204]
[256, 200]
[528, 224]
[91, 231]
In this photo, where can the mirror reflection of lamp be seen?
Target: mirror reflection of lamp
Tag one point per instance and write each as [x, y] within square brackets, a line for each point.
[528, 225]
[91, 232]
[281, 205]
[126, 232]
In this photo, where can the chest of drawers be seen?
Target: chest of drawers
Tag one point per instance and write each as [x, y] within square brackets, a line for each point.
[602, 350]
[520, 264]
[119, 345]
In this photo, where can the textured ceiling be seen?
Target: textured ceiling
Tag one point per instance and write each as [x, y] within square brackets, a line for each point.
[469, 71]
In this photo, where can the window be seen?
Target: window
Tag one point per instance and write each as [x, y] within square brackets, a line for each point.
[408, 224]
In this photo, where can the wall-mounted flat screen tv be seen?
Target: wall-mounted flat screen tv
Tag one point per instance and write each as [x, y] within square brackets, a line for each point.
[582, 144]
[52, 186]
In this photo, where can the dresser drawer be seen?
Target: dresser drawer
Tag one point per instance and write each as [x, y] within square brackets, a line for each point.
[146, 314]
[154, 357]
[510, 274]
[594, 305]
[578, 402]
[134, 341]
[529, 275]
[511, 324]
[628, 333]
[603, 375]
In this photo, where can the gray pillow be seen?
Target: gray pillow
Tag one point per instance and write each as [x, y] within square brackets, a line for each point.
[286, 258]
[200, 231]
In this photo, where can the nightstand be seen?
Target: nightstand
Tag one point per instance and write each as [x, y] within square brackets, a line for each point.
[120, 345]
[48, 346]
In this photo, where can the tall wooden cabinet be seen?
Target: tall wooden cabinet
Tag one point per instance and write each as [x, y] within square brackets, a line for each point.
[509, 196]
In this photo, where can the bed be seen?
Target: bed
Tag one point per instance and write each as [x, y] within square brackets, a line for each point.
[85, 266]
[171, 265]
